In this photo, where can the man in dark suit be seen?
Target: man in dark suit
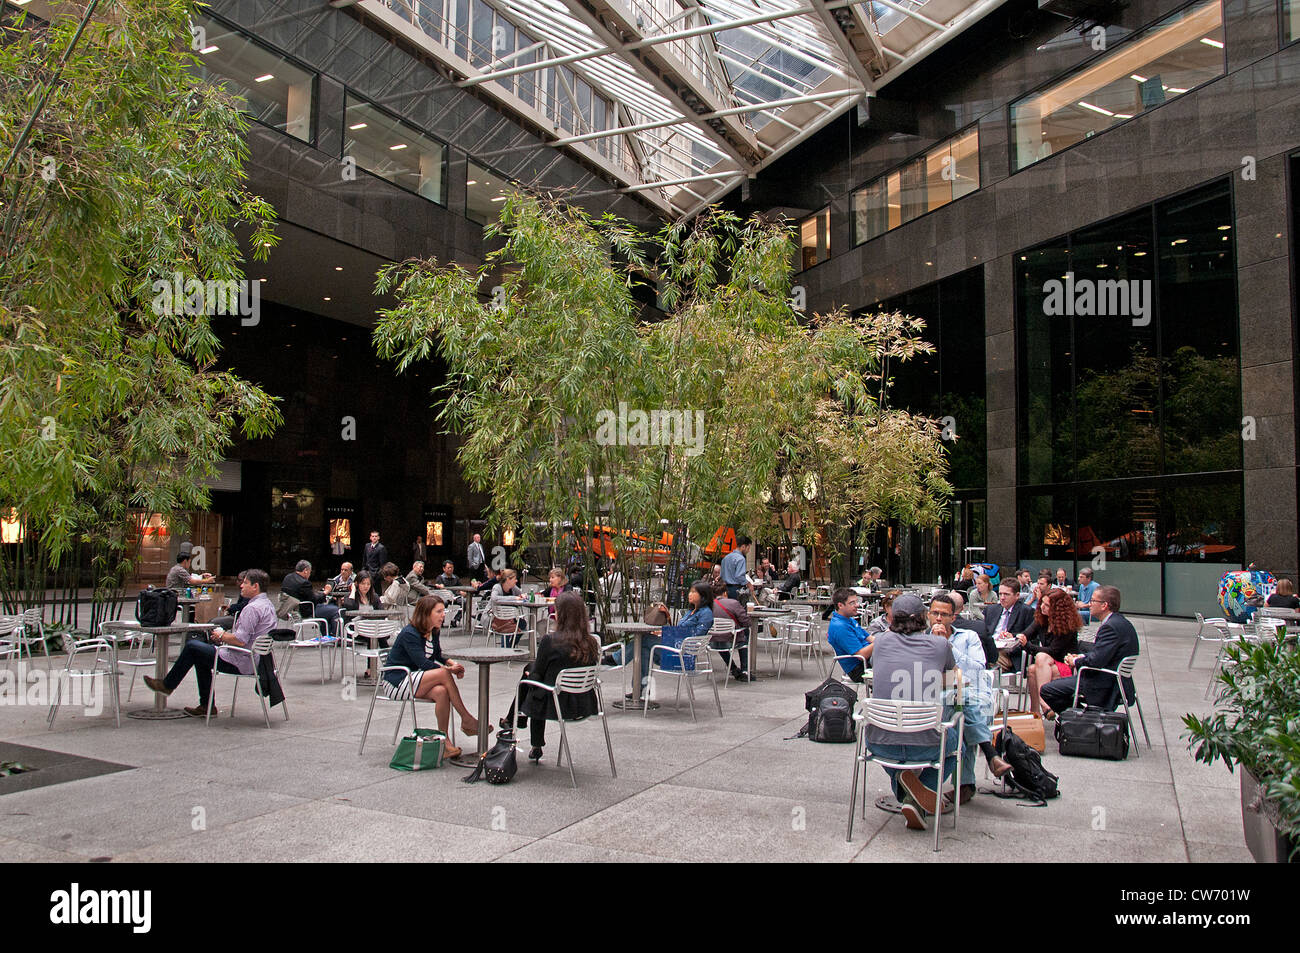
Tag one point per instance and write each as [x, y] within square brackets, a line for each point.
[1116, 639]
[297, 585]
[1010, 616]
[375, 556]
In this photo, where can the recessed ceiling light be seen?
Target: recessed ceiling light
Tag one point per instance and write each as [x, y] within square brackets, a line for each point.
[209, 49]
[499, 198]
[263, 78]
[338, 267]
[1214, 43]
[1179, 241]
[1137, 78]
[471, 181]
[1096, 109]
[1224, 228]
[359, 125]
[1175, 89]
[261, 279]
[1138, 254]
[327, 298]
[400, 145]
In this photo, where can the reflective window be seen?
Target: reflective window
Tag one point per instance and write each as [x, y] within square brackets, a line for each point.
[1147, 70]
[275, 92]
[1290, 21]
[484, 193]
[815, 239]
[392, 150]
[930, 181]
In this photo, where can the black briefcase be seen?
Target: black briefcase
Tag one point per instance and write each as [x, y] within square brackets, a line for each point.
[1092, 733]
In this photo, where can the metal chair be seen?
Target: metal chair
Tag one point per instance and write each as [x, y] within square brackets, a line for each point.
[401, 711]
[576, 681]
[802, 634]
[867, 682]
[126, 632]
[1123, 671]
[10, 647]
[693, 657]
[509, 636]
[719, 631]
[1233, 634]
[81, 647]
[909, 717]
[31, 631]
[1217, 625]
[774, 639]
[452, 616]
[372, 631]
[261, 646]
[322, 640]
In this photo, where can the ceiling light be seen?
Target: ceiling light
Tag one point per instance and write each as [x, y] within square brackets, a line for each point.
[327, 298]
[261, 279]
[1123, 115]
[263, 78]
[359, 125]
[1224, 228]
[1138, 254]
[1096, 109]
[400, 145]
[1175, 89]
[338, 267]
[1101, 265]
[1137, 78]
[471, 181]
[209, 49]
[499, 198]
[1214, 43]
[1179, 241]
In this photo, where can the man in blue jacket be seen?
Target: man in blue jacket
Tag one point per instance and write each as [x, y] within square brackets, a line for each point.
[1116, 639]
[846, 635]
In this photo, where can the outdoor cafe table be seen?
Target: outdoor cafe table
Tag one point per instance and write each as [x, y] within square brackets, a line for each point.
[484, 656]
[638, 629]
[372, 670]
[756, 617]
[468, 618]
[534, 609]
[161, 642]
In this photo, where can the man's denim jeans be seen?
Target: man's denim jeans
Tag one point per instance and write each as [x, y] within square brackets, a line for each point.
[929, 776]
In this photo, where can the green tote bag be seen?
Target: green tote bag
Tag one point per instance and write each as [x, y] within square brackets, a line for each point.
[420, 750]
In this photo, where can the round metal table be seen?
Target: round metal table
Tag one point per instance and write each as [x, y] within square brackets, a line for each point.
[484, 656]
[467, 620]
[161, 643]
[638, 629]
[372, 670]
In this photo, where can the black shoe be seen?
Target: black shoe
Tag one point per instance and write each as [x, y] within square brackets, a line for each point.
[741, 676]
[535, 754]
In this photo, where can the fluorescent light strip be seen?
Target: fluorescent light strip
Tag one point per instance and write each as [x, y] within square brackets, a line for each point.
[263, 79]
[359, 125]
[208, 49]
[1096, 109]
[400, 145]
[1214, 43]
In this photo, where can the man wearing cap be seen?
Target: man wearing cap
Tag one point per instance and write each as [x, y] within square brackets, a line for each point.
[180, 576]
[911, 664]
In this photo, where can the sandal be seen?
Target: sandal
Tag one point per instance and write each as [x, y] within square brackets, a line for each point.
[451, 751]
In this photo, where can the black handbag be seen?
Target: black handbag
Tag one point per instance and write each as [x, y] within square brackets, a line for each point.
[156, 607]
[498, 765]
[1092, 733]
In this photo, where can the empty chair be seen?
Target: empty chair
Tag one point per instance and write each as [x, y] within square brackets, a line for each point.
[101, 666]
[310, 632]
[803, 635]
[261, 647]
[577, 681]
[1217, 634]
[361, 639]
[30, 631]
[126, 634]
[693, 659]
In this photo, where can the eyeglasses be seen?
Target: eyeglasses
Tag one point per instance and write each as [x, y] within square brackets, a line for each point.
[1096, 600]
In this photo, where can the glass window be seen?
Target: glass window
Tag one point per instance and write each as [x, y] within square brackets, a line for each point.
[459, 27]
[1046, 370]
[392, 150]
[1046, 530]
[527, 81]
[480, 47]
[815, 239]
[1161, 63]
[944, 173]
[484, 193]
[275, 92]
[1290, 21]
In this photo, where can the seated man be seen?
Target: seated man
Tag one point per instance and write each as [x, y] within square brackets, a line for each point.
[910, 664]
[1024, 579]
[297, 586]
[786, 587]
[846, 635]
[974, 623]
[448, 577]
[418, 587]
[256, 618]
[1010, 616]
[1116, 639]
[180, 576]
[234, 608]
[341, 585]
[977, 700]
[881, 622]
[1086, 588]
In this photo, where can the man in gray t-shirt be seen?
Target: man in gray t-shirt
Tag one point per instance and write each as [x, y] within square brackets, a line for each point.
[910, 664]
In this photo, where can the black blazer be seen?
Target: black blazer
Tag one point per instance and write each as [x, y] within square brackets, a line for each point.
[1116, 639]
[982, 630]
[546, 668]
[1021, 616]
[301, 589]
[408, 650]
[1057, 646]
[373, 557]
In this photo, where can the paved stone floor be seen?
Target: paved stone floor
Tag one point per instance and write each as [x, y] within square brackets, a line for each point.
[715, 790]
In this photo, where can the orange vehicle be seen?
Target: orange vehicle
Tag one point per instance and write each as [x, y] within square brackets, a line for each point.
[603, 539]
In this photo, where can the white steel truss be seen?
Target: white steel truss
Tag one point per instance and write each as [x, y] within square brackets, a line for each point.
[686, 92]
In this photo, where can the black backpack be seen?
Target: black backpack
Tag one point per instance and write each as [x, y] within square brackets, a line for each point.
[155, 607]
[1028, 777]
[830, 712]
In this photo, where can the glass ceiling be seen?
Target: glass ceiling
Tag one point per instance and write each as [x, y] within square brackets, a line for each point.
[678, 100]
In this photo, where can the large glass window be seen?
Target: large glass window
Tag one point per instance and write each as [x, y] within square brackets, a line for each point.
[392, 150]
[1290, 21]
[275, 91]
[1154, 66]
[815, 239]
[930, 181]
[484, 193]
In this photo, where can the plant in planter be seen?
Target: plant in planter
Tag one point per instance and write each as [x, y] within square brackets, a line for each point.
[1256, 724]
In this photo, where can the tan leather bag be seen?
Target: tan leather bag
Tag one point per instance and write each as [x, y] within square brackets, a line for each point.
[1028, 728]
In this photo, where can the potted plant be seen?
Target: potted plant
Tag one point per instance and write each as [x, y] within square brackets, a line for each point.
[1256, 724]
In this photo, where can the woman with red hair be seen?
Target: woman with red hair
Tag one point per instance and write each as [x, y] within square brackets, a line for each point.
[1052, 635]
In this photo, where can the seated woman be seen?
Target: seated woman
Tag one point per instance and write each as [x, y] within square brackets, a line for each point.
[729, 610]
[507, 586]
[556, 584]
[1285, 597]
[394, 586]
[571, 645]
[696, 622]
[418, 648]
[363, 595]
[982, 593]
[1052, 635]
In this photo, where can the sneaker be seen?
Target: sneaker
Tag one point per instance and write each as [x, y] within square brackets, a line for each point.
[535, 754]
[912, 815]
[156, 685]
[926, 799]
[201, 711]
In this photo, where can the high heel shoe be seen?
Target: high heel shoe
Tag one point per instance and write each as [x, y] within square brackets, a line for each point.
[473, 732]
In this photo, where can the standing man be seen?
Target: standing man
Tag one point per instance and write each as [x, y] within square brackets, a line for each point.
[417, 550]
[474, 555]
[256, 618]
[1116, 639]
[375, 555]
[733, 569]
